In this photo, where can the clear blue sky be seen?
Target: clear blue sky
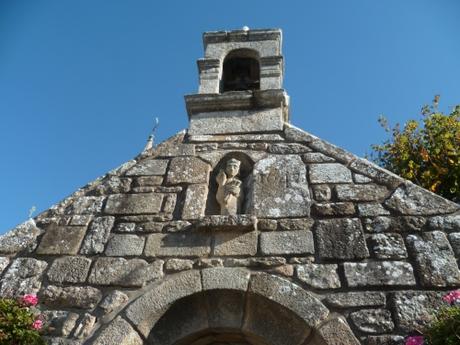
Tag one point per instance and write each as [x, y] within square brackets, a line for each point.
[81, 81]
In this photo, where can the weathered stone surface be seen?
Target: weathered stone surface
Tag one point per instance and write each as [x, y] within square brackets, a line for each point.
[195, 201]
[289, 295]
[188, 170]
[174, 146]
[85, 326]
[177, 265]
[61, 341]
[334, 209]
[340, 238]
[387, 339]
[178, 244]
[133, 203]
[454, 239]
[279, 188]
[125, 227]
[177, 225]
[24, 276]
[372, 210]
[361, 178]
[86, 205]
[316, 157]
[97, 235]
[384, 273]
[69, 269]
[279, 325]
[286, 149]
[149, 227]
[321, 192]
[209, 263]
[238, 222]
[22, 237]
[287, 242]
[149, 167]
[415, 309]
[4, 261]
[319, 276]
[147, 309]
[114, 300]
[445, 223]
[122, 272]
[59, 322]
[118, 332]
[236, 137]
[236, 121]
[372, 320]
[83, 297]
[148, 181]
[61, 240]
[112, 185]
[169, 203]
[329, 173]
[378, 224]
[360, 192]
[296, 224]
[410, 199]
[293, 133]
[125, 245]
[81, 220]
[378, 174]
[266, 262]
[388, 246]
[267, 224]
[434, 259]
[394, 224]
[235, 243]
[336, 332]
[356, 299]
[225, 278]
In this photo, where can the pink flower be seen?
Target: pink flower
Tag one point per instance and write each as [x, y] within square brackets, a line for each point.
[38, 324]
[414, 340]
[29, 300]
[452, 297]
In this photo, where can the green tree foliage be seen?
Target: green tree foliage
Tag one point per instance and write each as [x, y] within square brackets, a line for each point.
[426, 152]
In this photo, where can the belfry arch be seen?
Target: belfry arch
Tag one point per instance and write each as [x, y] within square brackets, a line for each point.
[241, 71]
[229, 306]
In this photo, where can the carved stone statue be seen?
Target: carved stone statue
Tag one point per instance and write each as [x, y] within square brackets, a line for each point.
[229, 193]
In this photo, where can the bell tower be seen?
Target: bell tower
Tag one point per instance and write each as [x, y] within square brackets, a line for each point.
[240, 84]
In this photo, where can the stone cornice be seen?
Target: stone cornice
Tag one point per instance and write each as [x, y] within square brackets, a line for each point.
[236, 100]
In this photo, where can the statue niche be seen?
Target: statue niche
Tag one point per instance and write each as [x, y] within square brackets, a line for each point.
[228, 189]
[229, 194]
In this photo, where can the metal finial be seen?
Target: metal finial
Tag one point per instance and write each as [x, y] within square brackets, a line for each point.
[151, 139]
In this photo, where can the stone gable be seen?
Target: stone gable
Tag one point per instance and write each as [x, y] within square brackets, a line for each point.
[327, 247]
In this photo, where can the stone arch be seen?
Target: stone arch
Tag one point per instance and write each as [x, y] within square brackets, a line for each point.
[240, 70]
[253, 302]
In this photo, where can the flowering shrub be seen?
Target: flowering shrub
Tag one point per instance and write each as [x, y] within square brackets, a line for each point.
[19, 322]
[445, 329]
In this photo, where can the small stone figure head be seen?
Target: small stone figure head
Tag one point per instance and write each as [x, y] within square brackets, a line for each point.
[232, 168]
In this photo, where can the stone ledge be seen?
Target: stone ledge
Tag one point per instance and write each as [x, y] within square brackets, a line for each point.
[236, 100]
[227, 223]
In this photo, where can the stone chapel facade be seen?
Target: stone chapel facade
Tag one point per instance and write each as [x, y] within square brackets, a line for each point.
[242, 230]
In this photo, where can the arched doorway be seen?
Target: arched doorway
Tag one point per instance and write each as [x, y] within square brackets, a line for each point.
[225, 306]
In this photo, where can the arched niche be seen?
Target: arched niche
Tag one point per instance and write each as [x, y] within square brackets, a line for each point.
[241, 71]
[246, 167]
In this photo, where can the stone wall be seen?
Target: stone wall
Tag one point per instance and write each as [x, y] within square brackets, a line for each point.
[374, 249]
